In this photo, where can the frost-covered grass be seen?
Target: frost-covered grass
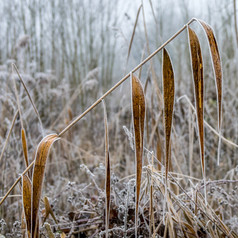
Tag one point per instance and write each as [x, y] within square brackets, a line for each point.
[75, 172]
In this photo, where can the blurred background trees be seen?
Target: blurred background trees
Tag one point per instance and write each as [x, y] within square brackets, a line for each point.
[72, 37]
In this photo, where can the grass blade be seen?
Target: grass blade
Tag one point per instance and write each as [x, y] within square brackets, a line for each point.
[216, 62]
[168, 87]
[197, 67]
[159, 154]
[133, 33]
[24, 146]
[28, 94]
[38, 176]
[26, 198]
[138, 111]
[48, 210]
[108, 172]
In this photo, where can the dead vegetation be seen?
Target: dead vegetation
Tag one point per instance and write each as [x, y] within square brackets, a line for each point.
[99, 181]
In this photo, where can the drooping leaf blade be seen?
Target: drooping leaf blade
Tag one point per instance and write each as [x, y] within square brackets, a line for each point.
[24, 146]
[138, 111]
[48, 210]
[26, 199]
[216, 62]
[168, 88]
[38, 176]
[197, 67]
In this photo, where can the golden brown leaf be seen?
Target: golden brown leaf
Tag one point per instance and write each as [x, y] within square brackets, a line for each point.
[138, 109]
[48, 210]
[26, 198]
[38, 176]
[168, 87]
[216, 61]
[24, 146]
[159, 154]
[197, 67]
[23, 226]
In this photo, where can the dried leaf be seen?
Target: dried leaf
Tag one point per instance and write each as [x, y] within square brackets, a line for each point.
[138, 109]
[189, 228]
[26, 198]
[108, 173]
[166, 228]
[38, 176]
[24, 146]
[168, 87]
[216, 61]
[159, 154]
[23, 225]
[48, 210]
[197, 67]
[170, 226]
[133, 33]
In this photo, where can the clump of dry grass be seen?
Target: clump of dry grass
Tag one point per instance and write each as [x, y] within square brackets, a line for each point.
[154, 201]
